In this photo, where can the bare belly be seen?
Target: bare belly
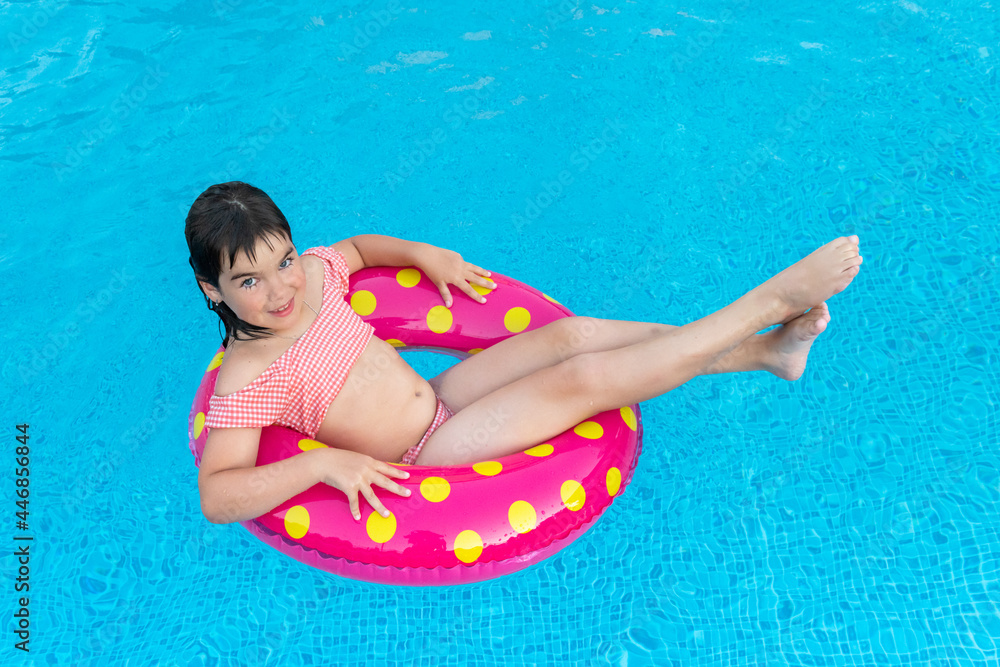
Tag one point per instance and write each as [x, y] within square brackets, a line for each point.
[383, 408]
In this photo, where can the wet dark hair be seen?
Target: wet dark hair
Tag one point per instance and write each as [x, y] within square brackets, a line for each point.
[227, 219]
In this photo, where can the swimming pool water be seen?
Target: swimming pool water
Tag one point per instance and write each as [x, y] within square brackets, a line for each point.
[635, 161]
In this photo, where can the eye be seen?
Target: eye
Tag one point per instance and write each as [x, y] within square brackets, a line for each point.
[284, 265]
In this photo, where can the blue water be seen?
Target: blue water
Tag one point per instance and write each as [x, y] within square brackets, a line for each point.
[633, 161]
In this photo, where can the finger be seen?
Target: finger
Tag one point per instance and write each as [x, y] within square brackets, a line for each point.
[483, 282]
[476, 273]
[473, 294]
[352, 499]
[374, 501]
[445, 293]
[390, 485]
[480, 270]
[393, 471]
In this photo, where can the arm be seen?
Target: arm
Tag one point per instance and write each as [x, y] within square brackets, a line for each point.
[378, 250]
[441, 266]
[234, 489]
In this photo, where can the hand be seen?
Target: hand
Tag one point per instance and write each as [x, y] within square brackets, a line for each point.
[352, 473]
[446, 267]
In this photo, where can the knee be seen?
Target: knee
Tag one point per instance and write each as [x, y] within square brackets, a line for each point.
[571, 334]
[584, 374]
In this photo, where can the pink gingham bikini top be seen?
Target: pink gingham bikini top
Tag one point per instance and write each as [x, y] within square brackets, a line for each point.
[297, 388]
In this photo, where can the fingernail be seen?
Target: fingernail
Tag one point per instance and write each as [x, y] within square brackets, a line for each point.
[407, 492]
[385, 513]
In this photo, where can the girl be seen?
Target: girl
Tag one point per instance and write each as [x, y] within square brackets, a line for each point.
[297, 355]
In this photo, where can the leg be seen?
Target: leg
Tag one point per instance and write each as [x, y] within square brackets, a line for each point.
[550, 400]
[523, 354]
[782, 351]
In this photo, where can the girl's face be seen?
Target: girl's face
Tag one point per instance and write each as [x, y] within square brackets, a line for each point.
[267, 293]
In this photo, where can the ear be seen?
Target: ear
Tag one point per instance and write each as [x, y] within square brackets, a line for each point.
[210, 292]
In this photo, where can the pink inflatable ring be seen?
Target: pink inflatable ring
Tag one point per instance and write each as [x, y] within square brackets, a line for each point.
[465, 523]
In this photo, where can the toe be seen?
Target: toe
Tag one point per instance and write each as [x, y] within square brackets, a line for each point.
[820, 320]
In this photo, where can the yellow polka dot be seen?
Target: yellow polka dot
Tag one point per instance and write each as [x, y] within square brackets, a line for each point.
[305, 444]
[297, 521]
[550, 298]
[517, 319]
[199, 424]
[381, 529]
[439, 319]
[481, 289]
[539, 450]
[408, 277]
[614, 481]
[488, 468]
[475, 350]
[395, 342]
[589, 430]
[435, 489]
[629, 416]
[573, 495]
[216, 361]
[522, 516]
[363, 302]
[468, 546]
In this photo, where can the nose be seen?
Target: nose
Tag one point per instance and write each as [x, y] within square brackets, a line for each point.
[281, 294]
[277, 298]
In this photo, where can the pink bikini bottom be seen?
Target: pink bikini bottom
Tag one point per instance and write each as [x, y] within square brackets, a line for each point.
[440, 417]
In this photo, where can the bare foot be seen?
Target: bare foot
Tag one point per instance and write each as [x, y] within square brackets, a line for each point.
[788, 345]
[814, 279]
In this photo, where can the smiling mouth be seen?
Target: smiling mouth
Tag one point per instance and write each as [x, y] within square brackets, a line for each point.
[285, 307]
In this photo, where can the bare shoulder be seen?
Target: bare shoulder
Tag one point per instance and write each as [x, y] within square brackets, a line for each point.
[315, 270]
[241, 365]
[351, 255]
[312, 265]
